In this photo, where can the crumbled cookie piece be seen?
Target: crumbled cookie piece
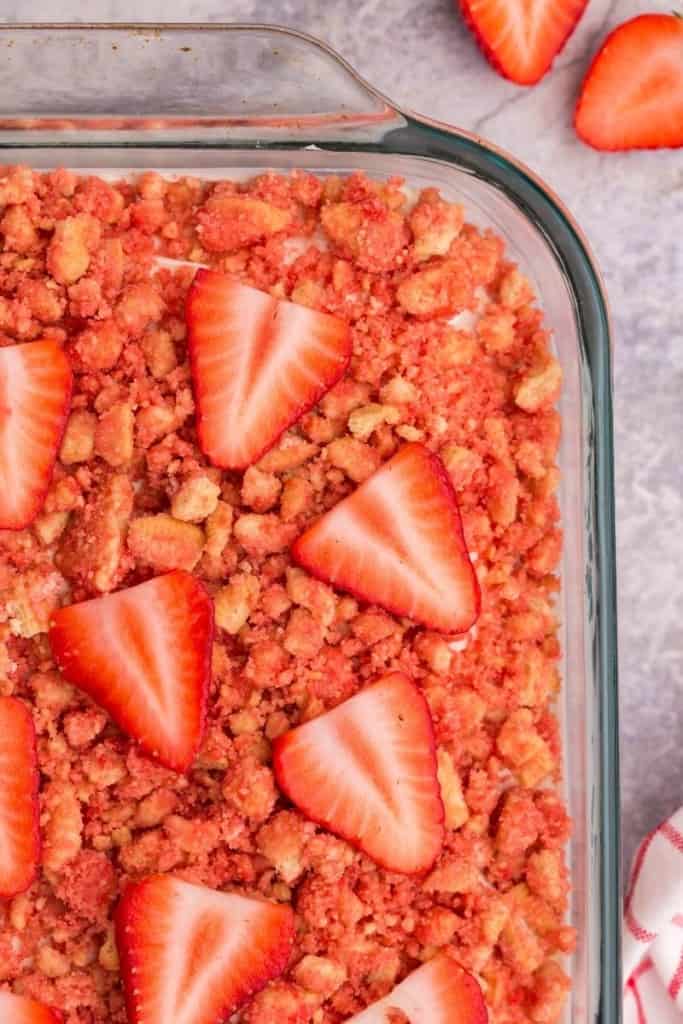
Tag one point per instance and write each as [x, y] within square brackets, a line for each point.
[165, 543]
[196, 500]
[91, 550]
[78, 443]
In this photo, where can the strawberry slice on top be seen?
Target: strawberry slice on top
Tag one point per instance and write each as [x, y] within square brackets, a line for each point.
[367, 771]
[19, 813]
[397, 541]
[20, 1010]
[35, 392]
[439, 992]
[258, 364]
[521, 38]
[632, 97]
[144, 655]
[193, 955]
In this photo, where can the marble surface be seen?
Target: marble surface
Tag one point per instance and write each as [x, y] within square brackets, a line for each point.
[631, 207]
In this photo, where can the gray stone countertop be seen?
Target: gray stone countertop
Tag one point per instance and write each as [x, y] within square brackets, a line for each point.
[631, 208]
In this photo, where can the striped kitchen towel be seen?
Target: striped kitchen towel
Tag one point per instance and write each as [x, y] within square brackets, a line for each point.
[653, 929]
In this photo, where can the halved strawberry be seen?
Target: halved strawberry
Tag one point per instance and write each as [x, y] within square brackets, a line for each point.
[144, 654]
[35, 391]
[521, 38]
[19, 1010]
[367, 771]
[258, 364]
[19, 816]
[397, 541]
[632, 96]
[439, 992]
[193, 955]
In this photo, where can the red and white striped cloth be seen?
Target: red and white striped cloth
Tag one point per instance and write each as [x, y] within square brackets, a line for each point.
[653, 929]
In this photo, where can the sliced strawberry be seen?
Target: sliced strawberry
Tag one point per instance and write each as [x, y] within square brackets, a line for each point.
[35, 391]
[19, 816]
[194, 955]
[258, 364]
[397, 541]
[144, 654]
[632, 96]
[439, 992]
[367, 771]
[19, 1010]
[521, 38]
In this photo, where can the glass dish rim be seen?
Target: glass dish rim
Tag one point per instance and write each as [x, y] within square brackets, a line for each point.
[411, 117]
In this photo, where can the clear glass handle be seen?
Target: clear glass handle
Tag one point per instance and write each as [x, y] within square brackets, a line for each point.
[208, 84]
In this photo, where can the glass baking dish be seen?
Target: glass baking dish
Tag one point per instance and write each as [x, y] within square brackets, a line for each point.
[226, 100]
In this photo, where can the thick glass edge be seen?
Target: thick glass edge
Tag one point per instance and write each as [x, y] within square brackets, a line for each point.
[55, 117]
[427, 139]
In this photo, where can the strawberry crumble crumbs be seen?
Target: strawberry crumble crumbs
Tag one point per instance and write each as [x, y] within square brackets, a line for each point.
[133, 496]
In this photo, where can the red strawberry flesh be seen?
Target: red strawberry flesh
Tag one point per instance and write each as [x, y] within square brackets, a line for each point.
[20, 1010]
[397, 541]
[521, 38]
[193, 955]
[19, 816]
[632, 97]
[35, 392]
[144, 655]
[439, 992]
[258, 364]
[367, 771]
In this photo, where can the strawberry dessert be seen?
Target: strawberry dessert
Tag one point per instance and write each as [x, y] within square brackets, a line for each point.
[279, 540]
